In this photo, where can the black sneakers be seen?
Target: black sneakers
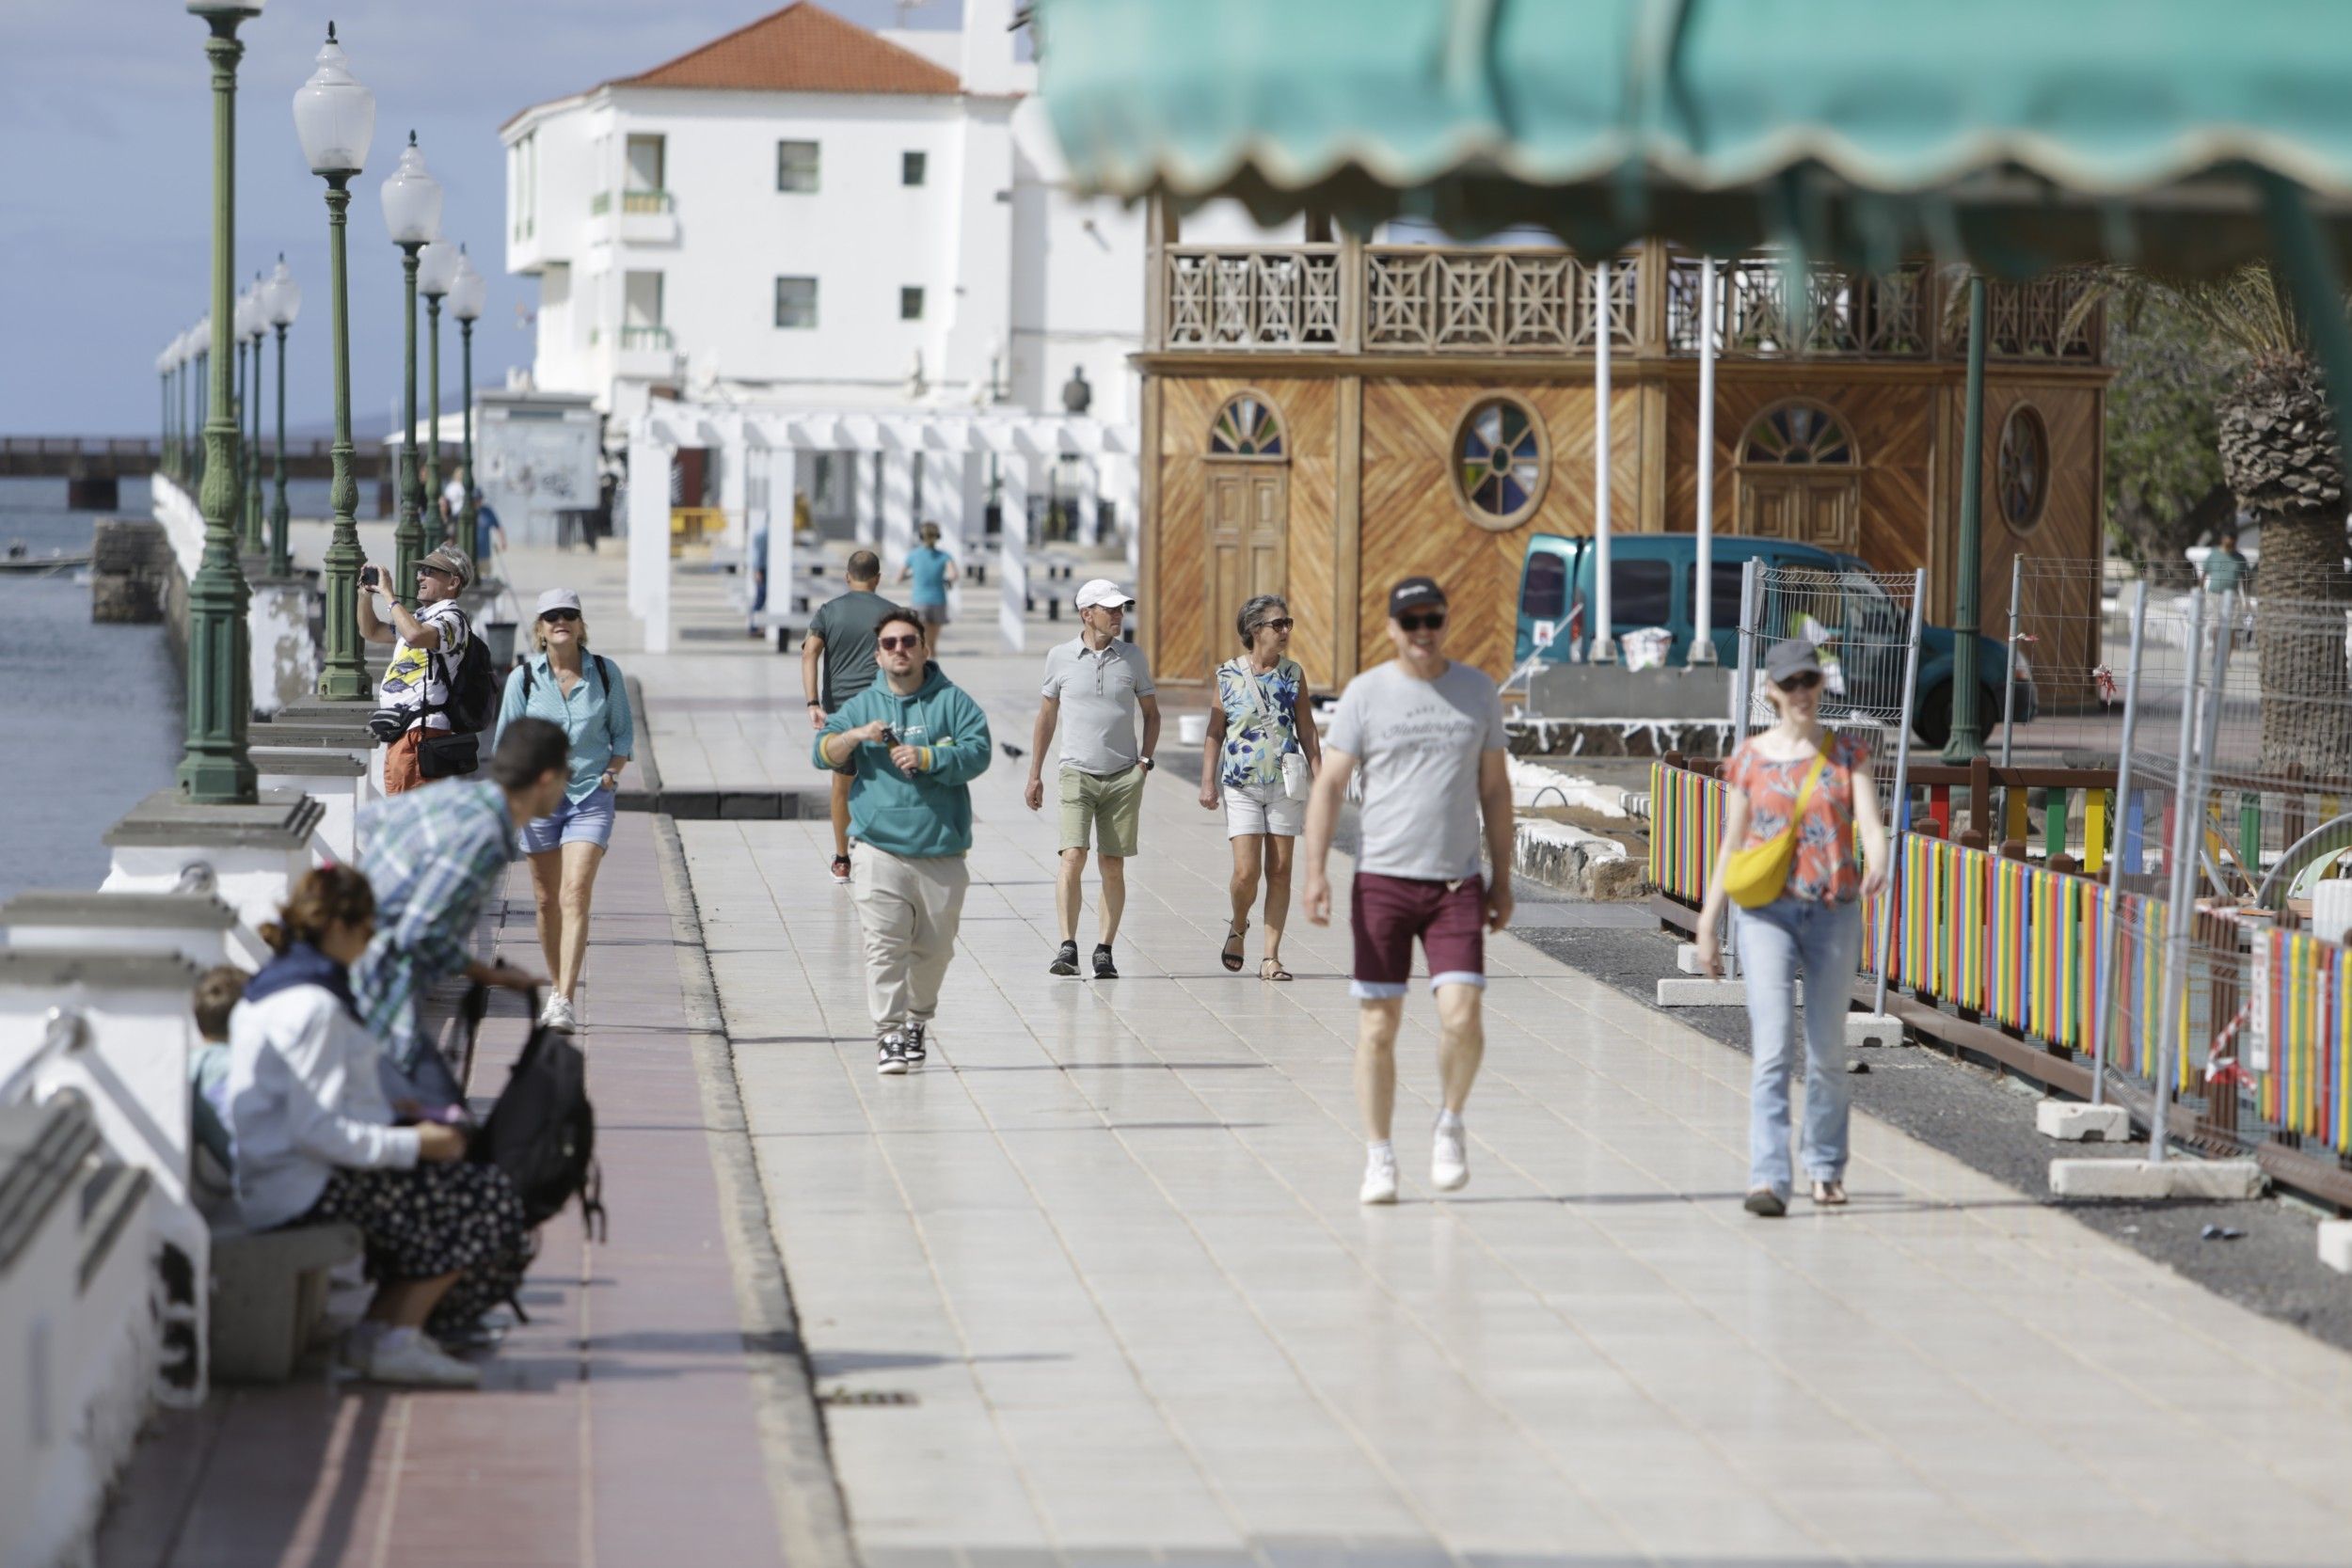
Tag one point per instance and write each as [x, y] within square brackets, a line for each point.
[890, 1055]
[1065, 961]
[910, 1044]
[1103, 968]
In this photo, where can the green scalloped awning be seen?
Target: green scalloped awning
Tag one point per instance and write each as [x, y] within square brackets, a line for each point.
[2021, 134]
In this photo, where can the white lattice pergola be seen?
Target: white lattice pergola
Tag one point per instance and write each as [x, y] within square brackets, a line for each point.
[753, 440]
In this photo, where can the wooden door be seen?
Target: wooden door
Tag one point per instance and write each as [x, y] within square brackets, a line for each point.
[1812, 508]
[1249, 530]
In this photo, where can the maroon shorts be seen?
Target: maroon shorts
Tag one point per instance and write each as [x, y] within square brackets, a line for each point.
[1386, 914]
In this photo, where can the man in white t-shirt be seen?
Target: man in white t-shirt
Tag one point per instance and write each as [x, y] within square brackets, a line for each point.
[426, 645]
[1427, 736]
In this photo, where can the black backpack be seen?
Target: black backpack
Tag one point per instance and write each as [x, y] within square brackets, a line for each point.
[542, 1132]
[473, 687]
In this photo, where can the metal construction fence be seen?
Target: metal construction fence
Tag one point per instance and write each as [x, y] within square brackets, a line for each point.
[2184, 955]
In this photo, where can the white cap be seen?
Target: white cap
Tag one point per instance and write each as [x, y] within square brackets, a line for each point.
[557, 599]
[1103, 591]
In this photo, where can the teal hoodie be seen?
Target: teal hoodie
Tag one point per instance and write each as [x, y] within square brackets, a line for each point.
[927, 813]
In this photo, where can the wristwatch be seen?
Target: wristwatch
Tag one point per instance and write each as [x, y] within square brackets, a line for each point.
[1147, 765]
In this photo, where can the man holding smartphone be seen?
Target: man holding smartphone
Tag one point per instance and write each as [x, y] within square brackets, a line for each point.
[910, 744]
[426, 645]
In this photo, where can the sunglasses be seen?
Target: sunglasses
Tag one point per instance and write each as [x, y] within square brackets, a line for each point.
[1804, 680]
[1429, 622]
[892, 644]
[1282, 624]
[556, 617]
[436, 571]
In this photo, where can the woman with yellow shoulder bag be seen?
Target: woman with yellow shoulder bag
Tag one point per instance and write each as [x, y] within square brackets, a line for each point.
[1795, 800]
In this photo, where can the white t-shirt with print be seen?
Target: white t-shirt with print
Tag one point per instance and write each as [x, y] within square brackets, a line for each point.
[417, 678]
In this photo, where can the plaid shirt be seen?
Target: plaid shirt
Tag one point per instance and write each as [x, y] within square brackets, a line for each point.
[433, 856]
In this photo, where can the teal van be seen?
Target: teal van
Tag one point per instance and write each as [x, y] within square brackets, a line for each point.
[1653, 579]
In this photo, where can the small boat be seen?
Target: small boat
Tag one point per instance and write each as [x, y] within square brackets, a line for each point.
[18, 561]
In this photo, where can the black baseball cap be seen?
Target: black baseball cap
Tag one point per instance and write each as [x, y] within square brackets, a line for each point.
[1415, 593]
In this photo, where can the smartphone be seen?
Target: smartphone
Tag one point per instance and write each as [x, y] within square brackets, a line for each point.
[889, 735]
[367, 577]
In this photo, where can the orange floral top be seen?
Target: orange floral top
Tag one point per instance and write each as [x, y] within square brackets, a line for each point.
[1825, 869]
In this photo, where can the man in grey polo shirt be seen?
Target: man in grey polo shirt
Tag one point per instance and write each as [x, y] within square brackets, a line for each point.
[1098, 683]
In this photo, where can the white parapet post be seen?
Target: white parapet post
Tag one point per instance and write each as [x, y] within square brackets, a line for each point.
[782, 563]
[649, 535]
[1012, 558]
[1126, 482]
[946, 490]
[1087, 476]
[1604, 639]
[734, 488]
[1703, 591]
[898, 510]
[866, 496]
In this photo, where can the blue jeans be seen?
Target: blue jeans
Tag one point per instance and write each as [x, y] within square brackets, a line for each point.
[1826, 939]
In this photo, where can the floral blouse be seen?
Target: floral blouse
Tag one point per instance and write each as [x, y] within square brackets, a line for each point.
[1255, 741]
[1825, 869]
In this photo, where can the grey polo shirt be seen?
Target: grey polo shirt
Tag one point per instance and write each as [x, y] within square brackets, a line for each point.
[1098, 694]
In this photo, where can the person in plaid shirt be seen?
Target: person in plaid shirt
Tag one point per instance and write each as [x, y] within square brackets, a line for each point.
[432, 856]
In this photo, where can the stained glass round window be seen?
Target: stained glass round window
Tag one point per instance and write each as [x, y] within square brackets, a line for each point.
[1499, 464]
[2022, 468]
[1797, 433]
[1247, 426]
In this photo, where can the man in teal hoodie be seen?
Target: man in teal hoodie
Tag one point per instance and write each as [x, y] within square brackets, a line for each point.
[911, 743]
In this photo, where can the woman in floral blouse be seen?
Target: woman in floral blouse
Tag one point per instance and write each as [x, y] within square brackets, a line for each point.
[1262, 715]
[1815, 924]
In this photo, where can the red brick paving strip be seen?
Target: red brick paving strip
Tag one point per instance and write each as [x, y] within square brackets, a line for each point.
[619, 1427]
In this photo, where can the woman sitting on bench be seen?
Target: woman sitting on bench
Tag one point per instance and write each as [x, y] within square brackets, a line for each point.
[316, 1143]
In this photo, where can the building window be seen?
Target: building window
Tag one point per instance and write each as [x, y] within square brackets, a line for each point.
[911, 168]
[1500, 464]
[2024, 468]
[795, 165]
[1247, 426]
[796, 302]
[1797, 433]
[910, 305]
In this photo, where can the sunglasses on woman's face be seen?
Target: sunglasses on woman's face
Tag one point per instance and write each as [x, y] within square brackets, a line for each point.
[1282, 625]
[1429, 622]
[559, 617]
[1804, 680]
[892, 644]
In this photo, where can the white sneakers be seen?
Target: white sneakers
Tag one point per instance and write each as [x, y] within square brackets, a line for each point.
[408, 1357]
[558, 1014]
[1449, 1155]
[1380, 1177]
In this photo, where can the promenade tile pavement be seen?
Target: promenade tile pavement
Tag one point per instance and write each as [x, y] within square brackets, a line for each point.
[1106, 1249]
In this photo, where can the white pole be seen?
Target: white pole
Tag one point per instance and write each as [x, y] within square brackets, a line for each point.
[1702, 597]
[783, 570]
[649, 538]
[2182, 882]
[1604, 644]
[1898, 800]
[1012, 559]
[2103, 1037]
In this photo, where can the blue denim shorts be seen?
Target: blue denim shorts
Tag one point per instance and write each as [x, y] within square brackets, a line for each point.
[586, 821]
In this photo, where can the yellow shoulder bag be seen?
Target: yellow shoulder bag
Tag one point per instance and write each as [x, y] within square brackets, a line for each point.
[1755, 875]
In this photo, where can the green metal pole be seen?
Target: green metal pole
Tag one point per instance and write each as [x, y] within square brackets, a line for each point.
[254, 541]
[203, 414]
[408, 533]
[466, 511]
[1966, 742]
[342, 675]
[214, 769]
[281, 555]
[432, 416]
[243, 401]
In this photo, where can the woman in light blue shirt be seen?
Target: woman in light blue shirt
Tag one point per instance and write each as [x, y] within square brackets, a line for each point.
[932, 572]
[582, 692]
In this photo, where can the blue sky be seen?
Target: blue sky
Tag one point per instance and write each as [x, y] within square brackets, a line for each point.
[105, 110]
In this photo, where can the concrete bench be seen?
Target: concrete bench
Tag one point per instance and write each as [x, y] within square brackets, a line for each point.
[269, 1296]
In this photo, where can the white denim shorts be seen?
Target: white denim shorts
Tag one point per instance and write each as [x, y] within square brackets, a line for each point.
[1262, 809]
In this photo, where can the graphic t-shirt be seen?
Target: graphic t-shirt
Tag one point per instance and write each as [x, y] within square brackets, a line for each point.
[929, 567]
[1417, 744]
[1824, 869]
[1258, 730]
[847, 625]
[417, 678]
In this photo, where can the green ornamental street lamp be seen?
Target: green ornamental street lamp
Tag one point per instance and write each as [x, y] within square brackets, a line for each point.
[436, 269]
[244, 400]
[412, 211]
[466, 297]
[215, 768]
[203, 334]
[335, 119]
[1966, 743]
[256, 328]
[281, 301]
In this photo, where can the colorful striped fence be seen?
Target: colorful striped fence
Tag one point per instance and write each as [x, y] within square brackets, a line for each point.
[2298, 1046]
[1687, 825]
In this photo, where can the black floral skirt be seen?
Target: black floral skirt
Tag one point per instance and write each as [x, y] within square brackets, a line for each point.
[437, 1218]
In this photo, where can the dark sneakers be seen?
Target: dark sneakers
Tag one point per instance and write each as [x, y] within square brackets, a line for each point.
[910, 1044]
[1103, 968]
[1065, 961]
[890, 1055]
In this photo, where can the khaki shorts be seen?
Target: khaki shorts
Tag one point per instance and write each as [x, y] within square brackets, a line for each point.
[1109, 809]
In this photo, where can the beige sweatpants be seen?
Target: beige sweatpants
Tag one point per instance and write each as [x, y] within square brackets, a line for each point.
[909, 909]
